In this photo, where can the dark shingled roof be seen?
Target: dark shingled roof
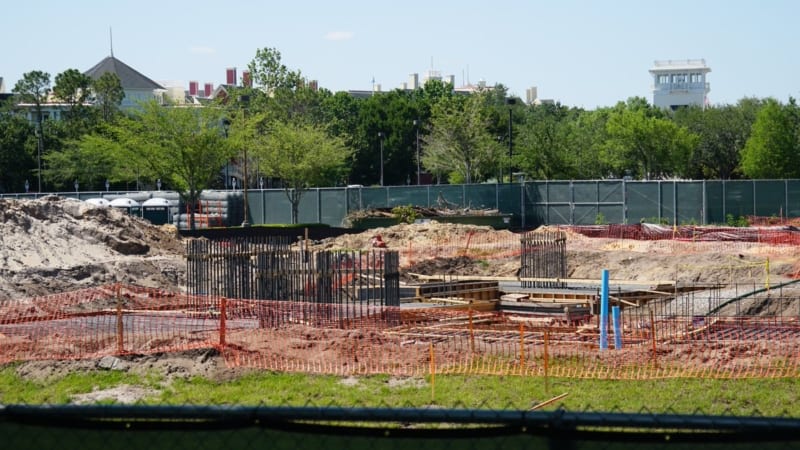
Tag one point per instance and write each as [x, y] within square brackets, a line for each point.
[128, 76]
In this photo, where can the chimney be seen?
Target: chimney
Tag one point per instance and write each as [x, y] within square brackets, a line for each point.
[193, 88]
[246, 81]
[209, 88]
[230, 76]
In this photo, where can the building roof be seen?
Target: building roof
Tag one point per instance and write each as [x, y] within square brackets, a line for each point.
[129, 77]
[680, 64]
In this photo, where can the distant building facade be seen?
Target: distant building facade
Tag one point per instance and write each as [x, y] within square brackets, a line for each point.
[137, 87]
[679, 83]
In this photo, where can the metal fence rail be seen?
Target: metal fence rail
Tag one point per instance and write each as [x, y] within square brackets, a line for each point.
[192, 427]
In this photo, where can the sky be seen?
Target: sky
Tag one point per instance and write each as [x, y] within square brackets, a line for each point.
[585, 54]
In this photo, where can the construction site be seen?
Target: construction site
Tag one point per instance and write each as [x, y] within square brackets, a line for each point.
[437, 298]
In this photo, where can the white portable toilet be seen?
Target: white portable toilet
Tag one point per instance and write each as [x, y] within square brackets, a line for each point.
[98, 201]
[128, 204]
[156, 210]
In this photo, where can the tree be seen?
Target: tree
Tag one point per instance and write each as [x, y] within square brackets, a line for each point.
[723, 132]
[108, 94]
[184, 147]
[87, 161]
[72, 87]
[545, 143]
[392, 113]
[773, 150]
[17, 148]
[647, 145]
[268, 72]
[459, 144]
[300, 155]
[34, 87]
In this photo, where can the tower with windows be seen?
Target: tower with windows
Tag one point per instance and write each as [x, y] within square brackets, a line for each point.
[678, 83]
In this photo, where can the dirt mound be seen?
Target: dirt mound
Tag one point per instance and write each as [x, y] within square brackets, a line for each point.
[54, 244]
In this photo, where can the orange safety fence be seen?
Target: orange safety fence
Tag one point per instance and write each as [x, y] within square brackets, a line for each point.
[772, 240]
[492, 245]
[774, 235]
[409, 340]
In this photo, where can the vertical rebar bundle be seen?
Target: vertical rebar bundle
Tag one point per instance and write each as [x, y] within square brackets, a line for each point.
[346, 284]
[544, 255]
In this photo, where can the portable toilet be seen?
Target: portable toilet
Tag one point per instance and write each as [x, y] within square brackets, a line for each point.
[128, 204]
[98, 201]
[156, 210]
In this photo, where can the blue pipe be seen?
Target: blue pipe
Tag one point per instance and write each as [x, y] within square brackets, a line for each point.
[604, 311]
[615, 320]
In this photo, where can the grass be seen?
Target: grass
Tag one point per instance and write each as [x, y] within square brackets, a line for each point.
[767, 397]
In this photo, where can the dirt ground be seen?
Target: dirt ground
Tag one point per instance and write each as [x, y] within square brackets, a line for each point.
[52, 245]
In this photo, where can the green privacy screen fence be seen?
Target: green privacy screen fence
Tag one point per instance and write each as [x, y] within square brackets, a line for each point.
[535, 203]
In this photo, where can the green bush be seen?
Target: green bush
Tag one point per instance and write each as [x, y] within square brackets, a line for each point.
[740, 221]
[405, 214]
[600, 219]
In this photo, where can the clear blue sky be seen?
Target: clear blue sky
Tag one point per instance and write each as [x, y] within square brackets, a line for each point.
[581, 53]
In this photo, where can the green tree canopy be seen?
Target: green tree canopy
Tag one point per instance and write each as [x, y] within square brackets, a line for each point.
[184, 147]
[773, 150]
[72, 88]
[33, 87]
[640, 141]
[300, 155]
[17, 150]
[460, 145]
[108, 95]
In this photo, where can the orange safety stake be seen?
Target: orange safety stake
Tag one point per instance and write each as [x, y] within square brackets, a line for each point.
[433, 375]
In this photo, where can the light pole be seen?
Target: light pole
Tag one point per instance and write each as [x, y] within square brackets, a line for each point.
[510, 102]
[261, 183]
[381, 136]
[76, 185]
[226, 124]
[158, 184]
[245, 100]
[39, 145]
[416, 126]
[521, 176]
[108, 184]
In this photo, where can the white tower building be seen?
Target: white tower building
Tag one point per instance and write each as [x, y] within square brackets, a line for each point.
[678, 83]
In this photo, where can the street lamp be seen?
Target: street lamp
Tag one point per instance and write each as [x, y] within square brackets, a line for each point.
[261, 183]
[226, 125]
[245, 100]
[521, 176]
[416, 126]
[381, 137]
[39, 145]
[510, 102]
[108, 184]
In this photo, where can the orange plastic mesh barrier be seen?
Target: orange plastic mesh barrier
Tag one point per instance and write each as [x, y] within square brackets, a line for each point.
[764, 235]
[108, 320]
[400, 341]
